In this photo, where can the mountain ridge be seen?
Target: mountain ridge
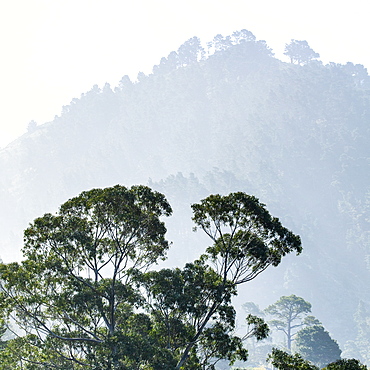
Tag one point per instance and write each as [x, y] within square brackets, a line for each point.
[296, 136]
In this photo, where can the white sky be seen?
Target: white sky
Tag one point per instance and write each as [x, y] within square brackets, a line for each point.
[54, 50]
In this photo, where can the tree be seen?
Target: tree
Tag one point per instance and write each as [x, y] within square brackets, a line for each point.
[178, 299]
[220, 43]
[300, 52]
[73, 295]
[31, 127]
[246, 241]
[285, 361]
[190, 52]
[242, 36]
[86, 298]
[257, 352]
[3, 330]
[311, 321]
[346, 364]
[362, 342]
[316, 345]
[289, 312]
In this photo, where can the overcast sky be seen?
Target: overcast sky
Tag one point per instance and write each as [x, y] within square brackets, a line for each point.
[54, 50]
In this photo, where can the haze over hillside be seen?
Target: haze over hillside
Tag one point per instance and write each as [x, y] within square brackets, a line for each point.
[229, 118]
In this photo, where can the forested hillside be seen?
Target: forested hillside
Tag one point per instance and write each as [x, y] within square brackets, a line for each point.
[224, 118]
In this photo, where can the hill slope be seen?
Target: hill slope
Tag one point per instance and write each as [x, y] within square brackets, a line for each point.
[296, 136]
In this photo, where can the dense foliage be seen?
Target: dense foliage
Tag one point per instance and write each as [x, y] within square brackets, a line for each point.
[346, 364]
[315, 344]
[285, 361]
[86, 295]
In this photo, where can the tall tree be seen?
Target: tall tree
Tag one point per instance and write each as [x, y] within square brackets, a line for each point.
[73, 294]
[190, 51]
[246, 241]
[300, 52]
[242, 36]
[289, 312]
[77, 293]
[315, 344]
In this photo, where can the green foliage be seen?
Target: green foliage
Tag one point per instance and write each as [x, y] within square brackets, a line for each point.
[74, 290]
[285, 361]
[289, 312]
[85, 298]
[316, 345]
[311, 321]
[246, 238]
[346, 364]
[256, 327]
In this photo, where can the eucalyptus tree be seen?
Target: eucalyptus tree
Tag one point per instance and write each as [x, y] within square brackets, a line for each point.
[73, 295]
[86, 298]
[289, 313]
[246, 240]
[315, 344]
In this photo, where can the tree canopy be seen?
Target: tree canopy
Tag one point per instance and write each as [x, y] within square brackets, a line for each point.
[86, 295]
[346, 364]
[285, 361]
[288, 313]
[315, 344]
[300, 52]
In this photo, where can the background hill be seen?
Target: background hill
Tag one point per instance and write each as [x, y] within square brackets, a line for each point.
[229, 118]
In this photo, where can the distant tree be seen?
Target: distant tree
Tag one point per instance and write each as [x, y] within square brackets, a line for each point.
[190, 51]
[358, 73]
[316, 345]
[252, 308]
[288, 312]
[352, 349]
[141, 76]
[220, 43]
[32, 125]
[242, 36]
[346, 364]
[168, 64]
[311, 321]
[285, 361]
[125, 85]
[257, 350]
[362, 321]
[300, 52]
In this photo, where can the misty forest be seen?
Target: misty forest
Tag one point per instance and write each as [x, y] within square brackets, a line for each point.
[212, 214]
